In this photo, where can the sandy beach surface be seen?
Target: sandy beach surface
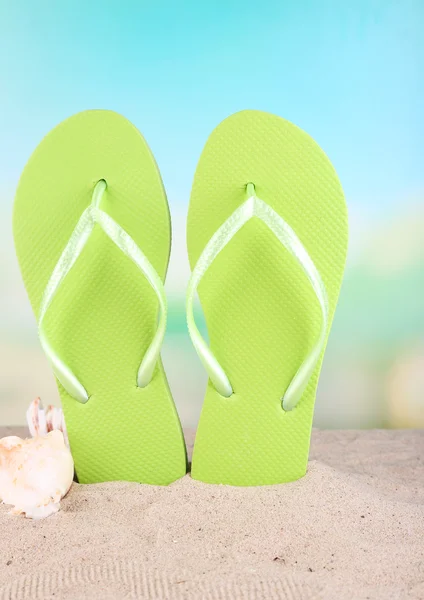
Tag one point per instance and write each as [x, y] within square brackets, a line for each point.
[352, 528]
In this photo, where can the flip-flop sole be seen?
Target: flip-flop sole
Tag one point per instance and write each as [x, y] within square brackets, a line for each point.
[261, 312]
[104, 315]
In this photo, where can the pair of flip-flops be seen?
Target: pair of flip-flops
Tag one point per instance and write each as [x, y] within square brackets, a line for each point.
[267, 238]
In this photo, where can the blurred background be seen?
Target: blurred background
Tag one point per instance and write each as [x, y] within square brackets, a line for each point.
[349, 73]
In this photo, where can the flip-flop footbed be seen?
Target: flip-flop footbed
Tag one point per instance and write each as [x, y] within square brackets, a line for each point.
[104, 315]
[261, 312]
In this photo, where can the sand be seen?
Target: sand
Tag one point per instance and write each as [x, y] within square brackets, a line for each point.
[352, 528]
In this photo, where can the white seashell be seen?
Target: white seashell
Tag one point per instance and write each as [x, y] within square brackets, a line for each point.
[35, 474]
[42, 420]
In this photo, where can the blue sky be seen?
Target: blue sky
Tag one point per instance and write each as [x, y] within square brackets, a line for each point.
[350, 73]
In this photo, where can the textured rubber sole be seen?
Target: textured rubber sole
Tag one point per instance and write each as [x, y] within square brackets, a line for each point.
[105, 314]
[261, 312]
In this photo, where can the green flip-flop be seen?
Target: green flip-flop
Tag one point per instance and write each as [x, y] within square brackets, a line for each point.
[92, 234]
[267, 239]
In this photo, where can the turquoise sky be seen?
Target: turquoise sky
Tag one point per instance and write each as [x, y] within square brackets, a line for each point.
[350, 73]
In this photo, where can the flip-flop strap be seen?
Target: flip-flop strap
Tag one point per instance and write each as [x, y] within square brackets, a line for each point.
[254, 207]
[90, 217]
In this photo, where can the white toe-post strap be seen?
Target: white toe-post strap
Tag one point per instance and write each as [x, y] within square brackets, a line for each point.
[90, 217]
[254, 207]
